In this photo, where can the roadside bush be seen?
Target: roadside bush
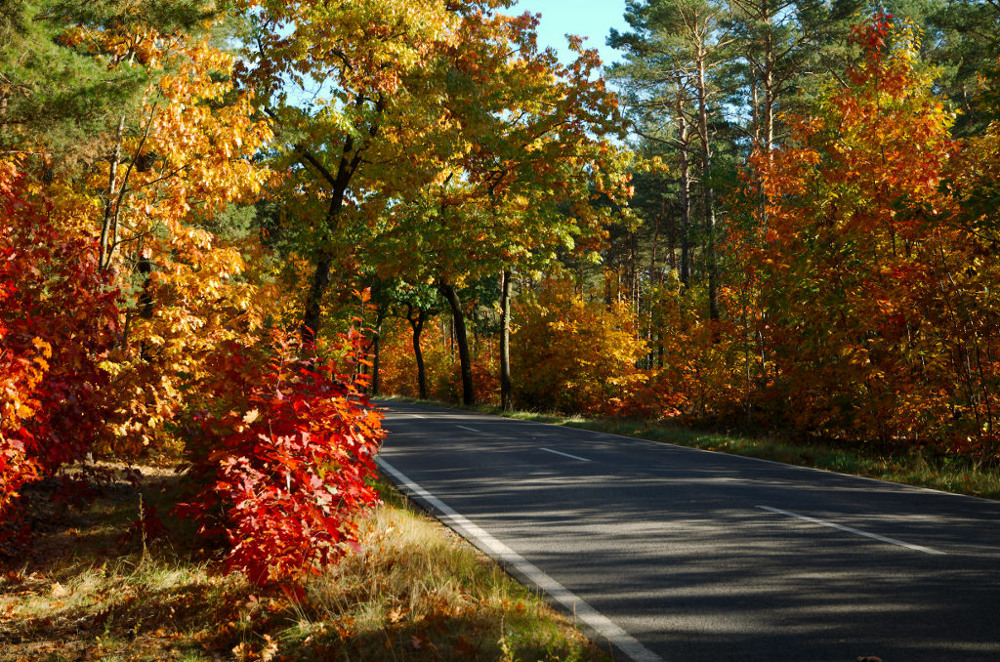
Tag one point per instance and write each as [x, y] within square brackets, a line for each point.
[574, 355]
[284, 463]
[58, 322]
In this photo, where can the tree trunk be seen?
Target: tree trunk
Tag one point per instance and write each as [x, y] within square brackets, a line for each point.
[709, 192]
[657, 225]
[109, 225]
[350, 161]
[321, 280]
[145, 303]
[506, 388]
[770, 62]
[418, 327]
[324, 263]
[462, 340]
[682, 137]
[377, 351]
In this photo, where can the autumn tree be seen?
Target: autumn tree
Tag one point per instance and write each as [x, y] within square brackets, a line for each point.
[59, 321]
[576, 354]
[533, 150]
[170, 170]
[860, 249]
[372, 105]
[419, 303]
[135, 293]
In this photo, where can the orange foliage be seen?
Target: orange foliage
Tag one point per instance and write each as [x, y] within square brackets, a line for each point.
[190, 154]
[398, 366]
[573, 354]
[58, 321]
[283, 457]
[692, 373]
[861, 300]
[872, 300]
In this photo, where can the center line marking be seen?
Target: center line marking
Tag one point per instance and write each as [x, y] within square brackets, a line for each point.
[501, 552]
[574, 457]
[874, 536]
[465, 428]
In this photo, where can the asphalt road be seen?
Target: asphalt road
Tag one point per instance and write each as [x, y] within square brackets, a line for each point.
[684, 555]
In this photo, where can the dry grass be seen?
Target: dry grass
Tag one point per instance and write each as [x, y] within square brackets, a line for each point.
[416, 592]
[418, 588]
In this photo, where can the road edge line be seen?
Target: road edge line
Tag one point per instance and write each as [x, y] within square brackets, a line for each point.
[849, 529]
[572, 457]
[881, 481]
[501, 552]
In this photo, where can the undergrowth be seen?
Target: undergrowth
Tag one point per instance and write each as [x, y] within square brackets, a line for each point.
[414, 592]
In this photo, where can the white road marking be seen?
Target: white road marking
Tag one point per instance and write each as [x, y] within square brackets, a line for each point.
[874, 536]
[574, 457]
[484, 541]
[465, 428]
[417, 416]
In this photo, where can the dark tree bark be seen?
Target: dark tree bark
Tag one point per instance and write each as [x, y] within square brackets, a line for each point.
[377, 349]
[145, 304]
[462, 340]
[320, 282]
[417, 323]
[339, 180]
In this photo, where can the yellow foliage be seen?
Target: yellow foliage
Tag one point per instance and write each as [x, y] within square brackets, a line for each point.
[184, 159]
[575, 354]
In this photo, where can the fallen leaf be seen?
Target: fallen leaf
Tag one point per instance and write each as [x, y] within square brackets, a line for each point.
[418, 641]
[270, 650]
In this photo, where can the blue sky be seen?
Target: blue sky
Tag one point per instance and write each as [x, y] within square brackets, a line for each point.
[587, 18]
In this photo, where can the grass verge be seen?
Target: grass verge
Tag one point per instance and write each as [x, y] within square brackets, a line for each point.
[920, 467]
[415, 592]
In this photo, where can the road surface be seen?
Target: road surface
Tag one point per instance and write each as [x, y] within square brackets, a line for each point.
[676, 554]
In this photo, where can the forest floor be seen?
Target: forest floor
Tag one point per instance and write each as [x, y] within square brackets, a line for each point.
[81, 591]
[920, 466]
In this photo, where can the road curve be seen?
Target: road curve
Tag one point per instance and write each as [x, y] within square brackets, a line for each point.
[672, 553]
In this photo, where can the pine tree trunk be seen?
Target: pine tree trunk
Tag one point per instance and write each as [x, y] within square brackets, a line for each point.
[709, 192]
[682, 137]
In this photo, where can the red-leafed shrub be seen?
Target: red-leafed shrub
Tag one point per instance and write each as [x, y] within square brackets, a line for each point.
[284, 470]
[58, 321]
